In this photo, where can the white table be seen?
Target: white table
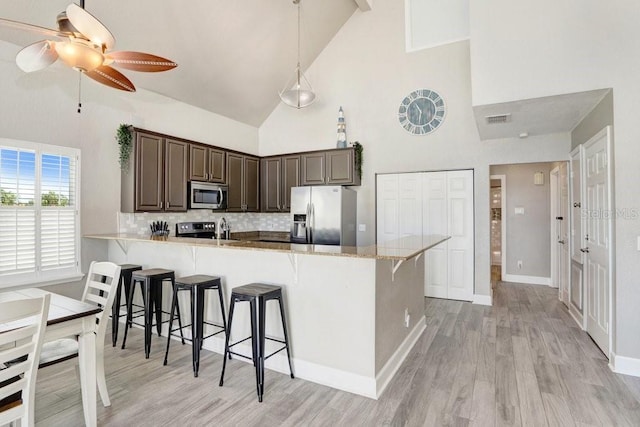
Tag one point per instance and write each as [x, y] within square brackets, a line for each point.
[69, 317]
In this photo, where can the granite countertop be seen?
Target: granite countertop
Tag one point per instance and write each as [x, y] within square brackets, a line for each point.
[399, 250]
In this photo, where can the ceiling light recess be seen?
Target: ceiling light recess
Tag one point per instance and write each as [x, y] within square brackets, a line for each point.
[298, 92]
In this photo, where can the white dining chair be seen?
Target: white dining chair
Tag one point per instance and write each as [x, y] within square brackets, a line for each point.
[23, 322]
[100, 289]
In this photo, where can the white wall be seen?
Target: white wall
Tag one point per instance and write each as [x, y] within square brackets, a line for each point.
[366, 70]
[552, 47]
[41, 107]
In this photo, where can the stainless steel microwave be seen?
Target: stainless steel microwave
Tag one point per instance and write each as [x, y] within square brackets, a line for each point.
[205, 195]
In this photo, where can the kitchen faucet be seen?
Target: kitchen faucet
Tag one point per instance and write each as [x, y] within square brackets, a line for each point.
[222, 228]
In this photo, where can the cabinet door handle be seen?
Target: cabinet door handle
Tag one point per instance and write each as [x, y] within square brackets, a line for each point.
[584, 250]
[577, 205]
[161, 203]
[206, 176]
[167, 205]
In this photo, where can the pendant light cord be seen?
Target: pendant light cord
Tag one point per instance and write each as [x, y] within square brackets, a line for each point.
[298, 40]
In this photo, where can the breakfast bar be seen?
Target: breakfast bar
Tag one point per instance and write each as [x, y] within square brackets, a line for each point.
[353, 312]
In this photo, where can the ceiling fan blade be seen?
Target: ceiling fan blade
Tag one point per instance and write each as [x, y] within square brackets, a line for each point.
[36, 56]
[89, 26]
[111, 77]
[7, 23]
[140, 61]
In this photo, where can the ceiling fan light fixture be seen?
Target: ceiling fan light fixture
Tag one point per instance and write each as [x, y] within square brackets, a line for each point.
[80, 55]
[298, 92]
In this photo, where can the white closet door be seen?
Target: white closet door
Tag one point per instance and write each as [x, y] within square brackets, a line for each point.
[435, 221]
[410, 213]
[387, 207]
[460, 246]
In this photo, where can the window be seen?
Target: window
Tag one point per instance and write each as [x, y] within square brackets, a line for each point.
[39, 212]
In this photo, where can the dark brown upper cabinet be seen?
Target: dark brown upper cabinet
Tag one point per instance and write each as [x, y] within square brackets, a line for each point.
[279, 174]
[243, 180]
[158, 180]
[330, 167]
[207, 164]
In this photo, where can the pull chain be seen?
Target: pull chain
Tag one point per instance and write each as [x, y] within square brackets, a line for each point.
[79, 92]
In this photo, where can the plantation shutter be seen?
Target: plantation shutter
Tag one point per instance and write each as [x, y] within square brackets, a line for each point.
[39, 209]
[58, 214]
[17, 211]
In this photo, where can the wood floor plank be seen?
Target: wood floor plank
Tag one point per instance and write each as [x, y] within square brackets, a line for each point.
[532, 409]
[483, 404]
[507, 403]
[557, 411]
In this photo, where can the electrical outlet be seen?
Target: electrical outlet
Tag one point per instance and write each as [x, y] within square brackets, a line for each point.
[407, 318]
[519, 264]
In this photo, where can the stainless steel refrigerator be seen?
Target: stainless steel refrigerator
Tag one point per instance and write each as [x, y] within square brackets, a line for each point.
[323, 215]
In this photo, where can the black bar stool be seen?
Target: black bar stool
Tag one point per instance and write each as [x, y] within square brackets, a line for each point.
[126, 271]
[196, 284]
[151, 281]
[257, 294]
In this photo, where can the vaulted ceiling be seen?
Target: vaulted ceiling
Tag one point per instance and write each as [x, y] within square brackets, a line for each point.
[233, 56]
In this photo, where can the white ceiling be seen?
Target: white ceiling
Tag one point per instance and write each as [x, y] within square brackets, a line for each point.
[538, 116]
[233, 56]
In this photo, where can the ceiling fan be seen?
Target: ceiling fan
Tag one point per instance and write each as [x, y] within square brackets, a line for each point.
[84, 44]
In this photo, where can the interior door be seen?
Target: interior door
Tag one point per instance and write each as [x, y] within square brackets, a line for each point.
[387, 207]
[435, 211]
[575, 239]
[410, 213]
[565, 258]
[460, 223]
[598, 238]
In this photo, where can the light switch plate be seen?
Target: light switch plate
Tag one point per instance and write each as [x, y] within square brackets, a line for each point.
[639, 243]
[519, 210]
[362, 227]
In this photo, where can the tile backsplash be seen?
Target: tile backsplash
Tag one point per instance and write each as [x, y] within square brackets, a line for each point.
[138, 223]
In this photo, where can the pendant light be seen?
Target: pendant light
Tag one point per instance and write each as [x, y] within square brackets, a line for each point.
[298, 92]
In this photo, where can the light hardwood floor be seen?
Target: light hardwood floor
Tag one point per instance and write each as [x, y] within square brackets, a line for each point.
[523, 361]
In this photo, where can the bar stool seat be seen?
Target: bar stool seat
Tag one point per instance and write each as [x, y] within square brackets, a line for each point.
[151, 281]
[197, 285]
[257, 294]
[126, 271]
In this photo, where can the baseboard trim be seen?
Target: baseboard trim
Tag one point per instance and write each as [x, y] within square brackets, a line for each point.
[625, 365]
[529, 280]
[390, 368]
[577, 316]
[371, 387]
[483, 299]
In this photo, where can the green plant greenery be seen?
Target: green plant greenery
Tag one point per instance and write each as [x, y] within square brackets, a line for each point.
[124, 136]
[358, 153]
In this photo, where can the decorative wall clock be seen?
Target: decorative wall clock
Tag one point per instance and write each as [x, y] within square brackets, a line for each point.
[421, 112]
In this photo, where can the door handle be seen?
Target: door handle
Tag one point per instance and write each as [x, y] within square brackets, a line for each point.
[559, 218]
[221, 196]
[561, 242]
[584, 250]
[577, 205]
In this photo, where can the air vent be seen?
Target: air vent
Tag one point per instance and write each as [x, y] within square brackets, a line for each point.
[498, 118]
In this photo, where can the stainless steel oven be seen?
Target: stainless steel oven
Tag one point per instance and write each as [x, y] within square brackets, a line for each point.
[205, 195]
